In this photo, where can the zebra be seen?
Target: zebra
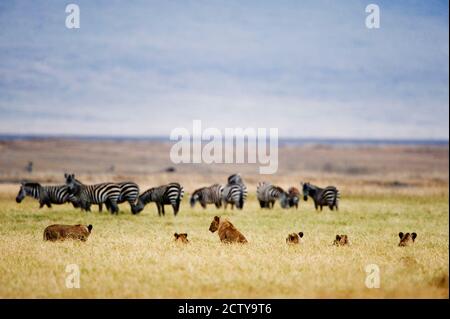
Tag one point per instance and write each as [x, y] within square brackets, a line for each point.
[235, 179]
[47, 195]
[328, 196]
[267, 194]
[129, 192]
[170, 194]
[208, 195]
[234, 194]
[86, 195]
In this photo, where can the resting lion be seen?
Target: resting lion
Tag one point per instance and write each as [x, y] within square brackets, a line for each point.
[63, 232]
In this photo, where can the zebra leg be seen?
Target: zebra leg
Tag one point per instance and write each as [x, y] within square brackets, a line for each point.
[176, 207]
[159, 209]
[114, 208]
[203, 205]
[100, 207]
[49, 205]
[261, 204]
[162, 210]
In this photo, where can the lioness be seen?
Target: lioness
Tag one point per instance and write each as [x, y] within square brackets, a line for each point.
[406, 239]
[227, 232]
[294, 238]
[63, 232]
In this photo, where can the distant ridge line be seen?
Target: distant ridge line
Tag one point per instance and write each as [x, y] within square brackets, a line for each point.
[282, 141]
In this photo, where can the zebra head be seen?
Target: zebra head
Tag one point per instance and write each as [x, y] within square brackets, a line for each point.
[73, 185]
[22, 193]
[306, 190]
[194, 198]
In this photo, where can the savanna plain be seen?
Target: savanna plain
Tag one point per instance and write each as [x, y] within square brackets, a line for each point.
[384, 190]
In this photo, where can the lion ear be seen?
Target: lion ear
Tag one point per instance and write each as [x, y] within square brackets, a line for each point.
[217, 218]
[338, 237]
[185, 235]
[414, 235]
[89, 228]
[400, 234]
[300, 234]
[176, 235]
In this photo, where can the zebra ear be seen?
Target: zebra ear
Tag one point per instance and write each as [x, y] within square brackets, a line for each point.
[65, 175]
[22, 183]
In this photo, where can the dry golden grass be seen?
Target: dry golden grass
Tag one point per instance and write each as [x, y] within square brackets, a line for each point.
[135, 257]
[385, 190]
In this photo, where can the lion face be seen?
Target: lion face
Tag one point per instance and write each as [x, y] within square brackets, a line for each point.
[406, 239]
[181, 238]
[294, 238]
[341, 240]
[214, 224]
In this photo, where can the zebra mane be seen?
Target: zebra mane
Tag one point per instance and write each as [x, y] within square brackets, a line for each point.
[31, 184]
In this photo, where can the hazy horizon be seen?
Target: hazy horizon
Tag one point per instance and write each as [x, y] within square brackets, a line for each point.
[311, 69]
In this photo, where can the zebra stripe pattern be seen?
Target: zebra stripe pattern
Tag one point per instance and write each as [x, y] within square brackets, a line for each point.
[328, 196]
[267, 194]
[47, 195]
[234, 194]
[86, 195]
[129, 192]
[208, 195]
[170, 194]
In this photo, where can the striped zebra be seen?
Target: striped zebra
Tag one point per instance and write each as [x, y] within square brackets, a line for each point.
[86, 195]
[170, 194]
[328, 196]
[47, 195]
[129, 192]
[234, 194]
[235, 179]
[208, 195]
[267, 194]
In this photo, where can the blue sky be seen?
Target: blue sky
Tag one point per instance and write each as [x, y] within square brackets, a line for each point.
[309, 68]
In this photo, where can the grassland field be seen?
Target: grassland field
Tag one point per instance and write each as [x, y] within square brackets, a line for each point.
[135, 257]
[385, 190]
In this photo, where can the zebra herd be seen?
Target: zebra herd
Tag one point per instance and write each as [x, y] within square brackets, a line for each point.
[234, 193]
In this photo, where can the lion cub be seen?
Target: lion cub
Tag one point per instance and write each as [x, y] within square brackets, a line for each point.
[294, 238]
[227, 232]
[63, 232]
[406, 239]
[341, 240]
[181, 238]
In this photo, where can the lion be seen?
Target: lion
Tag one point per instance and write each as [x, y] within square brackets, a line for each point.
[406, 239]
[341, 240]
[63, 232]
[294, 238]
[181, 238]
[227, 232]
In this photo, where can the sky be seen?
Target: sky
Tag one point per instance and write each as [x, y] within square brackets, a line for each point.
[308, 68]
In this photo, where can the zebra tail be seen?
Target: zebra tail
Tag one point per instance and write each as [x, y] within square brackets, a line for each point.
[241, 199]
